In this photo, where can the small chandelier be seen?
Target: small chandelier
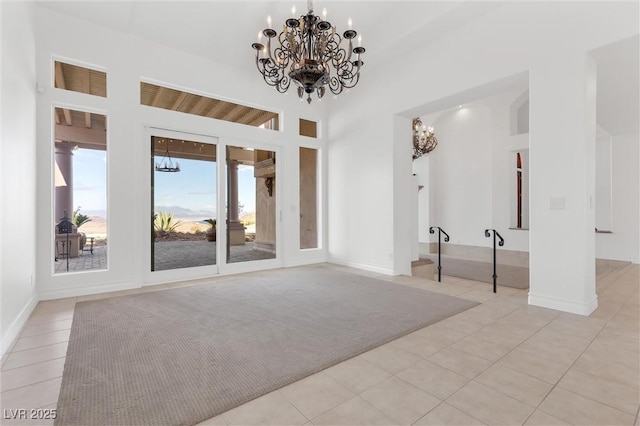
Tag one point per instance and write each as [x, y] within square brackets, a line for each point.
[424, 141]
[309, 52]
[166, 165]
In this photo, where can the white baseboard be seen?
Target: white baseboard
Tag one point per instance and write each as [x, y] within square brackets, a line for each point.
[16, 326]
[571, 306]
[363, 266]
[303, 262]
[87, 291]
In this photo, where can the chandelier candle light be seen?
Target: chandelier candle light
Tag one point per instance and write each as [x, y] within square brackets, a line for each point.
[309, 51]
[424, 141]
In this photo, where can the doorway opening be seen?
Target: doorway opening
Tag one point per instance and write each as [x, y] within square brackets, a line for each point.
[183, 199]
[251, 204]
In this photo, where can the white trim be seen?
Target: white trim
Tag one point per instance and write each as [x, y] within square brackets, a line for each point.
[87, 291]
[363, 266]
[16, 326]
[571, 306]
[303, 262]
[52, 206]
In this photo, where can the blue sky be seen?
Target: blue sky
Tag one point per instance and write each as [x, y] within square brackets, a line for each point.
[90, 180]
[192, 188]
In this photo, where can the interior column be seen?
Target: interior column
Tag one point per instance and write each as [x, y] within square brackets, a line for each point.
[562, 183]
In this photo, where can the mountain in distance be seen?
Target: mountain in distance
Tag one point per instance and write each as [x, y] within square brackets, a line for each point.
[91, 213]
[181, 213]
[186, 214]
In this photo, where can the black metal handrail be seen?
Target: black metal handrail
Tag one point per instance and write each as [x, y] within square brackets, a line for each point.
[487, 233]
[446, 239]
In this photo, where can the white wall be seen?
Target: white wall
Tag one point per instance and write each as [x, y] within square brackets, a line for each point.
[471, 173]
[449, 173]
[17, 155]
[505, 42]
[604, 201]
[360, 189]
[126, 60]
[460, 188]
[624, 241]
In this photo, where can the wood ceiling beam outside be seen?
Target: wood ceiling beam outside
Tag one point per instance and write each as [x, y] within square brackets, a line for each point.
[210, 107]
[186, 155]
[200, 106]
[215, 110]
[59, 77]
[55, 114]
[87, 120]
[263, 118]
[235, 112]
[252, 115]
[67, 117]
[86, 83]
[176, 105]
[81, 135]
[158, 96]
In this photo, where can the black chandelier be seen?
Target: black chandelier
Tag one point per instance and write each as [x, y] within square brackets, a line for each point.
[424, 141]
[309, 52]
[166, 165]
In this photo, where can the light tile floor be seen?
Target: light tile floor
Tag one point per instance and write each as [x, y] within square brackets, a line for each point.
[501, 362]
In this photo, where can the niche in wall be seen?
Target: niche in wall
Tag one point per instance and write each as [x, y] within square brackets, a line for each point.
[519, 189]
[603, 204]
[520, 114]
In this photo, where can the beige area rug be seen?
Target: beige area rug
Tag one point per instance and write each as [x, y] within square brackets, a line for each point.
[181, 356]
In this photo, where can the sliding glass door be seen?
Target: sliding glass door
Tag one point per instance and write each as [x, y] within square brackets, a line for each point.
[251, 205]
[184, 201]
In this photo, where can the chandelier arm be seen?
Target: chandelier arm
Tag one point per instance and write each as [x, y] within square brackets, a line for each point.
[346, 75]
[310, 52]
[335, 86]
[269, 49]
[273, 75]
[287, 49]
[350, 50]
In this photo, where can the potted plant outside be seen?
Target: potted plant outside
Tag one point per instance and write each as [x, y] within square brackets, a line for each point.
[211, 232]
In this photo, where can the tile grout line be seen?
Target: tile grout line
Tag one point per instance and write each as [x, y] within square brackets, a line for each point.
[32, 384]
[501, 358]
[46, 332]
[555, 385]
[445, 402]
[34, 363]
[37, 347]
[292, 403]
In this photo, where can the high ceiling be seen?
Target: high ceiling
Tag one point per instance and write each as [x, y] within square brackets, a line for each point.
[222, 30]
